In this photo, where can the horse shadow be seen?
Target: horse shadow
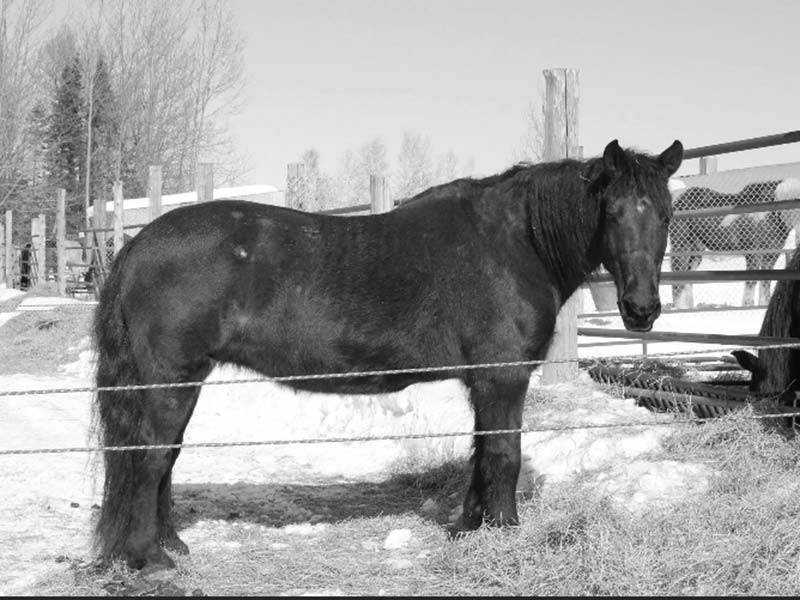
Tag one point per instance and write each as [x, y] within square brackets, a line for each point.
[432, 494]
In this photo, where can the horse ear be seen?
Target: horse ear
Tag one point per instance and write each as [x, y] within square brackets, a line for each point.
[747, 360]
[672, 157]
[613, 156]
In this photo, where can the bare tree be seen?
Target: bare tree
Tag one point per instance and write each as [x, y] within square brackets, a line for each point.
[20, 25]
[352, 181]
[414, 166]
[177, 70]
[531, 144]
[316, 189]
[446, 167]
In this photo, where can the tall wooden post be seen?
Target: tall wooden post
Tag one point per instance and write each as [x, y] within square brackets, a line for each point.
[61, 241]
[99, 226]
[708, 164]
[3, 263]
[9, 250]
[379, 200]
[119, 219]
[294, 186]
[205, 182]
[154, 191]
[39, 239]
[561, 141]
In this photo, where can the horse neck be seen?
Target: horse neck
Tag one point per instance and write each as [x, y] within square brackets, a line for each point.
[564, 220]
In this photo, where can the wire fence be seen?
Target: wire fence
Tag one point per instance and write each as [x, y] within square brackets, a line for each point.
[730, 236]
[377, 373]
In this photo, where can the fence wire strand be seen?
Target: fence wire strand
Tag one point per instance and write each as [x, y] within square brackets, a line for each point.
[378, 373]
[388, 437]
[340, 375]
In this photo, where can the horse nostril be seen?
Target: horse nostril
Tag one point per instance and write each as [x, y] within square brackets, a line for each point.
[634, 309]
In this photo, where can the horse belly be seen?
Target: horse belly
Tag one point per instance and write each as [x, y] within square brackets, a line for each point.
[304, 331]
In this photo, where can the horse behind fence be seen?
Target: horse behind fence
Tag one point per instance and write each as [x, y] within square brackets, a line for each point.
[760, 237]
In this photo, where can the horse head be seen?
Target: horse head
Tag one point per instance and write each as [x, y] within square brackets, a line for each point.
[637, 212]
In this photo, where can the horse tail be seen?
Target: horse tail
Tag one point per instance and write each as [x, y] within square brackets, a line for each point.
[116, 415]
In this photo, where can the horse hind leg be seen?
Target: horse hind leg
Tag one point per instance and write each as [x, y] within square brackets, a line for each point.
[491, 497]
[167, 533]
[166, 416]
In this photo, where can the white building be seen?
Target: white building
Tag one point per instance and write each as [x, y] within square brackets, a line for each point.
[137, 210]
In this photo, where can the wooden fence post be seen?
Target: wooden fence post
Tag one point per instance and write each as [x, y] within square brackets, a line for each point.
[708, 164]
[379, 200]
[154, 191]
[561, 141]
[61, 241]
[9, 250]
[119, 237]
[99, 226]
[294, 184]
[3, 264]
[205, 182]
[38, 254]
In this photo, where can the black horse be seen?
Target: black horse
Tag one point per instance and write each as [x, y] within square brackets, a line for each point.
[751, 234]
[776, 371]
[468, 272]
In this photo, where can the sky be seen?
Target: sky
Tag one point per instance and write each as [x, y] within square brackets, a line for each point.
[333, 75]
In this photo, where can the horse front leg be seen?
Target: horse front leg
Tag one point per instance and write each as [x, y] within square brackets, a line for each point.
[752, 263]
[765, 286]
[491, 497]
[682, 293]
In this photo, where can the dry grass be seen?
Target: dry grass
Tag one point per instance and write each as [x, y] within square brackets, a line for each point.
[739, 538]
[36, 342]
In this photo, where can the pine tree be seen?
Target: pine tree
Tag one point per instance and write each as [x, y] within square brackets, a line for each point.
[104, 133]
[65, 138]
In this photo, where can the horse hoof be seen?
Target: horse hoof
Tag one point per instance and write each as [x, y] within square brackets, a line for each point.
[175, 544]
[461, 527]
[155, 561]
[455, 533]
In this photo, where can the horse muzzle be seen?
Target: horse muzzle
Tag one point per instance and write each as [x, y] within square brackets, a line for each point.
[638, 316]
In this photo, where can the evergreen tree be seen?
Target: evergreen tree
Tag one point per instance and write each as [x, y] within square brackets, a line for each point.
[104, 133]
[66, 141]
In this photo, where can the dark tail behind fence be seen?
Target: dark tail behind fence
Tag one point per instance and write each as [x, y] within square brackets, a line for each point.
[116, 414]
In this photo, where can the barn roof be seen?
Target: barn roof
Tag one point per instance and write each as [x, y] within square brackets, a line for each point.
[733, 180]
[260, 192]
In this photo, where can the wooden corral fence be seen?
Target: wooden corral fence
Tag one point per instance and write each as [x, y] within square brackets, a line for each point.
[22, 265]
[602, 282]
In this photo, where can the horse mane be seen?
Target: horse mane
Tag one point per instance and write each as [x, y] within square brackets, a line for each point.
[567, 208]
[564, 205]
